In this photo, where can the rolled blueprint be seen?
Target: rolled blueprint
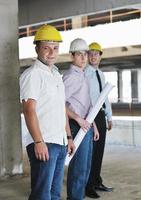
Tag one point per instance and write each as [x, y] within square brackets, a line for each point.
[90, 118]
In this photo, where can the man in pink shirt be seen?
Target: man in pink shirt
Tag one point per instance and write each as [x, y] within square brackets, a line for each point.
[78, 105]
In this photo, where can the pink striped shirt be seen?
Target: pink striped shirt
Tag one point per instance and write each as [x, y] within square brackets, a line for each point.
[77, 91]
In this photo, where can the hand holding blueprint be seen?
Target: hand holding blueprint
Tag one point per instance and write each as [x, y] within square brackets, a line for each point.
[90, 118]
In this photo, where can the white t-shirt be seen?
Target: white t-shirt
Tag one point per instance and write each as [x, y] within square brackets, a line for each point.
[38, 82]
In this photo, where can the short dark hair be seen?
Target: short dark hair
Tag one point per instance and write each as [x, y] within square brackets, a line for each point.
[72, 53]
[100, 52]
[37, 43]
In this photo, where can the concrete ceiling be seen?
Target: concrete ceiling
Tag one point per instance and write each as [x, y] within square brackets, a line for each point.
[39, 11]
[113, 59]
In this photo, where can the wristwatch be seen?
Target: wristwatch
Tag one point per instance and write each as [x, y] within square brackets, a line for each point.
[69, 137]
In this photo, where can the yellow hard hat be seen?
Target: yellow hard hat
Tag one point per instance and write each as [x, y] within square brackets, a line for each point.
[47, 33]
[95, 46]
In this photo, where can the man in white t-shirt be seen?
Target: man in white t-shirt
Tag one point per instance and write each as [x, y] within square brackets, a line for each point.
[43, 100]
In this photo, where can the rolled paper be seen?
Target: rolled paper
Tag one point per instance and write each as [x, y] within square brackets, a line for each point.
[90, 118]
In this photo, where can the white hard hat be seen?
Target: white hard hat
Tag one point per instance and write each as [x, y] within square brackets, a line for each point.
[78, 45]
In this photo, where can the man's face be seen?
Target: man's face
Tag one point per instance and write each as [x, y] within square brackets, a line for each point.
[47, 52]
[80, 59]
[94, 57]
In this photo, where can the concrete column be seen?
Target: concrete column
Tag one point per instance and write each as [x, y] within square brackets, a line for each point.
[84, 21]
[79, 21]
[10, 133]
[120, 86]
[139, 86]
[134, 86]
[76, 22]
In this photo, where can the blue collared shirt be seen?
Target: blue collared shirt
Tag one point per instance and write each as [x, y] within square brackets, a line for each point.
[90, 72]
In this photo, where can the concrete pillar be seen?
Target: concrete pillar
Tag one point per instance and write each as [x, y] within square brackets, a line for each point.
[120, 86]
[76, 22]
[134, 86]
[139, 86]
[84, 21]
[10, 134]
[79, 21]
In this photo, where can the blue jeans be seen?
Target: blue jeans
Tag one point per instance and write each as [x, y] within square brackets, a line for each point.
[47, 176]
[80, 165]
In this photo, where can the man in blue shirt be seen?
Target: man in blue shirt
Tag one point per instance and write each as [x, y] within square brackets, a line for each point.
[103, 120]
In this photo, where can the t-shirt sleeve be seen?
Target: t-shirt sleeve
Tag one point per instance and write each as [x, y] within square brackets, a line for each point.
[30, 85]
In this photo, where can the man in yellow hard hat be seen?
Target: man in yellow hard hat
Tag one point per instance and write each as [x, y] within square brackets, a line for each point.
[43, 100]
[96, 82]
[78, 105]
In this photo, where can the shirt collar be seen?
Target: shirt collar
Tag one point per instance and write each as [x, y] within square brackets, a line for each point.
[77, 69]
[45, 67]
[91, 68]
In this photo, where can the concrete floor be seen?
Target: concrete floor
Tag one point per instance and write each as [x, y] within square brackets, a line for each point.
[121, 169]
